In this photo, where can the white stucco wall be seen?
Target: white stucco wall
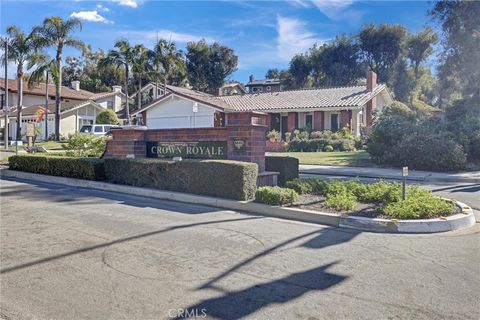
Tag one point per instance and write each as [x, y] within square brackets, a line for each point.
[116, 100]
[178, 113]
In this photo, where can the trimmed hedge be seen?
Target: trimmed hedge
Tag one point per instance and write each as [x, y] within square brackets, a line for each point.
[219, 178]
[80, 168]
[286, 166]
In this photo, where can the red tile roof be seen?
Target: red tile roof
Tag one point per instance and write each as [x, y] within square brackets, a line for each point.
[38, 89]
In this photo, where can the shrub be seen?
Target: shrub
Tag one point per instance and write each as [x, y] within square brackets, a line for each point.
[288, 136]
[305, 186]
[273, 135]
[287, 167]
[419, 204]
[107, 116]
[341, 201]
[430, 152]
[328, 148]
[220, 178]
[80, 168]
[85, 145]
[275, 196]
[376, 192]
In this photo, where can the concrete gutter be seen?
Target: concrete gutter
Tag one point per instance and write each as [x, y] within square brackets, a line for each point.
[459, 221]
[395, 174]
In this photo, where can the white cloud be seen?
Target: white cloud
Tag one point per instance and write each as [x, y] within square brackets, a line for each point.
[293, 37]
[338, 10]
[148, 38]
[102, 8]
[92, 16]
[127, 3]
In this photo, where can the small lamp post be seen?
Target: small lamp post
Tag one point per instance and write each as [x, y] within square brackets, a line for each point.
[195, 110]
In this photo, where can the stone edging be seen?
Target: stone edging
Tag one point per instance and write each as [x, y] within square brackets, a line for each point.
[463, 220]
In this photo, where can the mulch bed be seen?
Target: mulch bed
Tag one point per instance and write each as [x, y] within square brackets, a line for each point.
[317, 203]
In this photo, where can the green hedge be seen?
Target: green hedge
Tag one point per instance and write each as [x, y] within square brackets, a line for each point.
[80, 168]
[286, 166]
[219, 178]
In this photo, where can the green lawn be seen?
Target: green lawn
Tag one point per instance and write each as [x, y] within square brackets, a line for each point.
[49, 145]
[355, 159]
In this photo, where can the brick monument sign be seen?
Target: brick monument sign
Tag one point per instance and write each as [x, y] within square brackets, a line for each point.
[242, 139]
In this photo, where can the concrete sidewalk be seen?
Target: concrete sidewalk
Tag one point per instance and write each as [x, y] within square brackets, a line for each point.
[381, 173]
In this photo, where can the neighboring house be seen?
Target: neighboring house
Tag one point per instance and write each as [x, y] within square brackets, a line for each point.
[230, 89]
[317, 109]
[265, 85]
[151, 91]
[73, 115]
[34, 96]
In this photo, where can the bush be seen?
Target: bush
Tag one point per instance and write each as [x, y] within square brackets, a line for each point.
[430, 152]
[273, 135]
[80, 168]
[377, 192]
[305, 186]
[341, 201]
[85, 145]
[220, 178]
[419, 204]
[107, 116]
[328, 148]
[275, 196]
[287, 167]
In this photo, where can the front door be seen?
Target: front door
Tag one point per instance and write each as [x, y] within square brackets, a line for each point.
[284, 126]
[275, 122]
[334, 122]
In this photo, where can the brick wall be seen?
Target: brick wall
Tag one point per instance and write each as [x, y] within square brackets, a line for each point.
[249, 126]
[346, 119]
[319, 120]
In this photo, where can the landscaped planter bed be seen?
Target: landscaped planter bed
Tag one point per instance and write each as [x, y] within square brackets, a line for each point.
[316, 202]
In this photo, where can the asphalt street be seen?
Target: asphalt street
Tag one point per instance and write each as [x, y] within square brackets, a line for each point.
[71, 253]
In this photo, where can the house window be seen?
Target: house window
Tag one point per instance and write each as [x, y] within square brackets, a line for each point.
[110, 104]
[254, 89]
[269, 88]
[84, 122]
[309, 121]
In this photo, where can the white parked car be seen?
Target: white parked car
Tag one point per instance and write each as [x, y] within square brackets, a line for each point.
[97, 129]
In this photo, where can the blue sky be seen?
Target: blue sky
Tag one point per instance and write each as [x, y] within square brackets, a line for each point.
[264, 34]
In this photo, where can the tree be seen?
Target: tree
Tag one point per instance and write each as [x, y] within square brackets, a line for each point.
[141, 68]
[107, 116]
[273, 73]
[209, 66]
[300, 70]
[122, 57]
[381, 47]
[169, 62]
[57, 33]
[419, 48]
[458, 72]
[337, 63]
[22, 50]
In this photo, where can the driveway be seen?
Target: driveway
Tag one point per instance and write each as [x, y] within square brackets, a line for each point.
[81, 254]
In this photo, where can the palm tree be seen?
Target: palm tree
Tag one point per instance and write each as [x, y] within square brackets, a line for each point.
[57, 33]
[141, 68]
[23, 50]
[122, 57]
[168, 60]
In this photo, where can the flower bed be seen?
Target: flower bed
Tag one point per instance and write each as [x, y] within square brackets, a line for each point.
[376, 200]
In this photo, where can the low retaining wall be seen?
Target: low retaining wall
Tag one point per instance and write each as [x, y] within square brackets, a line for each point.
[274, 146]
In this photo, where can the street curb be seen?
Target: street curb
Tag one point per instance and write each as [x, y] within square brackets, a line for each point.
[464, 220]
[392, 177]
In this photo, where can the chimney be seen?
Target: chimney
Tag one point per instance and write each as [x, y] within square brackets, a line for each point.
[76, 85]
[371, 81]
[251, 78]
[117, 88]
[219, 91]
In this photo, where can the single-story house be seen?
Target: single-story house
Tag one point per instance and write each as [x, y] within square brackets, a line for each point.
[73, 115]
[73, 96]
[317, 109]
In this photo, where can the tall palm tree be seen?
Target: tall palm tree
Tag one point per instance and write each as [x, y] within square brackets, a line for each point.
[56, 32]
[122, 57]
[168, 61]
[141, 68]
[23, 49]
